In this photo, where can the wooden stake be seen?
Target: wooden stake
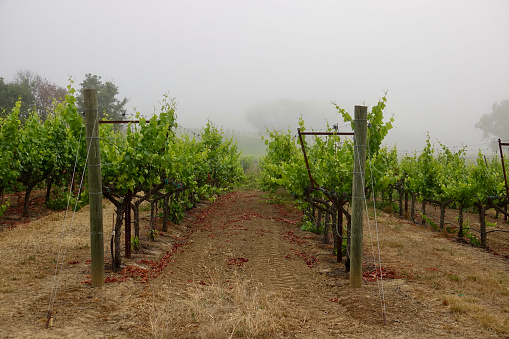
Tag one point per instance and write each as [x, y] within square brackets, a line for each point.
[95, 188]
[358, 196]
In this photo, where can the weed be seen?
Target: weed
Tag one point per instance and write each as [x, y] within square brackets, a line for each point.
[432, 224]
[308, 226]
[276, 199]
[59, 201]
[135, 243]
[152, 234]
[449, 229]
[468, 234]
[453, 277]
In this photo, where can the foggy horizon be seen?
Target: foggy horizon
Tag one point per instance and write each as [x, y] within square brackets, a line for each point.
[443, 63]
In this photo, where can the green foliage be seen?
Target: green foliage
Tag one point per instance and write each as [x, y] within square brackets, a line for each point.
[490, 224]
[246, 162]
[443, 175]
[9, 139]
[430, 222]
[282, 152]
[276, 199]
[330, 159]
[308, 226]
[61, 199]
[13, 92]
[470, 236]
[39, 150]
[137, 160]
[378, 129]
[135, 243]
[222, 157]
[440, 174]
[383, 170]
[488, 178]
[177, 212]
[107, 102]
[153, 233]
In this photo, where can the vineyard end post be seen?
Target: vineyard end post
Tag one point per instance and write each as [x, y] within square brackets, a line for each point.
[358, 195]
[94, 187]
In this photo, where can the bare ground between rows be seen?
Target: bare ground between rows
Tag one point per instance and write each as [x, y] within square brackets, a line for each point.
[241, 268]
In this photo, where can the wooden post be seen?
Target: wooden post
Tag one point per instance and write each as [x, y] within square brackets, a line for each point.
[127, 219]
[482, 221]
[339, 254]
[406, 204]
[358, 196]
[326, 228]
[94, 188]
[318, 221]
[166, 212]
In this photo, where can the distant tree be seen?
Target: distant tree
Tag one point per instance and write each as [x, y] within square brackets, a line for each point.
[107, 103]
[275, 115]
[10, 93]
[282, 114]
[495, 125]
[46, 94]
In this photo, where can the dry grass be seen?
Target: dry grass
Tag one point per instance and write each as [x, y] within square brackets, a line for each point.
[38, 243]
[224, 309]
[474, 307]
[474, 285]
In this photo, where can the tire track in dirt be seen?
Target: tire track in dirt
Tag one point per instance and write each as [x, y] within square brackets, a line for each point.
[269, 265]
[239, 234]
[242, 237]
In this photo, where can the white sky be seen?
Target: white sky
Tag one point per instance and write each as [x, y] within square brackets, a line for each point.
[444, 63]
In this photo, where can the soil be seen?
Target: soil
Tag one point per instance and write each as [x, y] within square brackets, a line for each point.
[433, 286]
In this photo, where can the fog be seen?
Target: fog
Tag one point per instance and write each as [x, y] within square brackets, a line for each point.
[443, 63]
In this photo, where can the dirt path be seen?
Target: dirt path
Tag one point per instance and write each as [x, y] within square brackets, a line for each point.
[240, 267]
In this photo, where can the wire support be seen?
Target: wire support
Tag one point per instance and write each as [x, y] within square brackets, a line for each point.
[62, 250]
[380, 281]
